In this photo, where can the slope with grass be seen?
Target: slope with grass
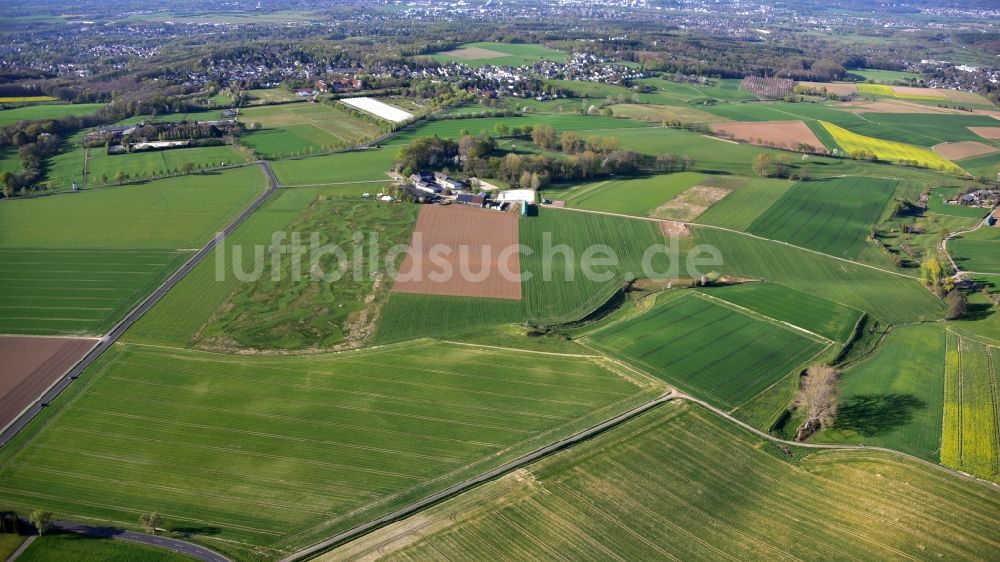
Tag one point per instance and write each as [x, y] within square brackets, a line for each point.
[678, 483]
[977, 251]
[970, 439]
[632, 196]
[890, 298]
[894, 397]
[831, 216]
[294, 129]
[718, 352]
[102, 167]
[205, 441]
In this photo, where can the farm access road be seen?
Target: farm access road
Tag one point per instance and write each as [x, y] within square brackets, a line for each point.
[116, 332]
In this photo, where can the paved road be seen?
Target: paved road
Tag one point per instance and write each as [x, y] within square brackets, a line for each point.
[175, 545]
[515, 464]
[111, 337]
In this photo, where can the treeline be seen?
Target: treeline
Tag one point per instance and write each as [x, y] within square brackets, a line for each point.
[583, 159]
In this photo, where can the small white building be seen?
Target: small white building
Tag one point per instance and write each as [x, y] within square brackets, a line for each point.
[517, 196]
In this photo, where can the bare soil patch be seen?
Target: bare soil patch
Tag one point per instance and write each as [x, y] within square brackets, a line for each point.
[474, 53]
[690, 204]
[30, 365]
[992, 133]
[779, 134]
[963, 149]
[838, 89]
[674, 228]
[462, 251]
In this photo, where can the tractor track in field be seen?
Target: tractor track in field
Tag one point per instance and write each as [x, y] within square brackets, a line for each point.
[138, 311]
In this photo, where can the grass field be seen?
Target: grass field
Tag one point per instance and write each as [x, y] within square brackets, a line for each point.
[977, 251]
[708, 153]
[257, 473]
[9, 542]
[10, 161]
[890, 298]
[831, 216]
[294, 129]
[102, 167]
[660, 113]
[742, 206]
[970, 439]
[46, 111]
[69, 546]
[73, 264]
[281, 310]
[894, 397]
[987, 166]
[557, 289]
[883, 76]
[678, 483]
[890, 151]
[715, 351]
[408, 316]
[499, 54]
[805, 310]
[633, 196]
[586, 125]
[346, 167]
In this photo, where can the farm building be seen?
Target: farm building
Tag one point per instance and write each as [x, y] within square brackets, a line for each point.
[470, 199]
[517, 196]
[994, 218]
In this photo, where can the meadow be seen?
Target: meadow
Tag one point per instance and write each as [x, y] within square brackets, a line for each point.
[663, 113]
[889, 297]
[883, 76]
[631, 196]
[977, 251]
[890, 151]
[499, 54]
[894, 397]
[743, 205]
[68, 546]
[830, 320]
[832, 216]
[254, 473]
[586, 125]
[280, 311]
[987, 166]
[344, 167]
[294, 129]
[712, 350]
[102, 167]
[75, 263]
[407, 316]
[46, 111]
[679, 483]
[969, 440]
[557, 289]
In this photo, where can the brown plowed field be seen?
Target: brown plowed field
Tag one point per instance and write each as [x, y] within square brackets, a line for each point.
[992, 133]
[457, 239]
[963, 149]
[29, 365]
[780, 134]
[835, 88]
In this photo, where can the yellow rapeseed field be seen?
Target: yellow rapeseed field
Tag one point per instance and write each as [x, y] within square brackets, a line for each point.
[890, 151]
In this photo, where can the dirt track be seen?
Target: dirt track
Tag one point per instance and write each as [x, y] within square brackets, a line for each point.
[461, 238]
[32, 364]
[781, 134]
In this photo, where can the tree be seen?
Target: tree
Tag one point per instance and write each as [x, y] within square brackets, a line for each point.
[255, 126]
[187, 167]
[570, 142]
[501, 129]
[120, 177]
[150, 521]
[104, 178]
[543, 136]
[608, 112]
[818, 399]
[762, 164]
[42, 520]
[931, 272]
[958, 304]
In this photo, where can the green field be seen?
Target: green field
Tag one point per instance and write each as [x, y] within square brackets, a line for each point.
[987, 166]
[295, 129]
[883, 76]
[659, 113]
[285, 309]
[890, 151]
[742, 206]
[46, 111]
[204, 439]
[558, 289]
[804, 310]
[408, 316]
[633, 196]
[894, 397]
[831, 216]
[586, 125]
[680, 484]
[708, 153]
[51, 548]
[75, 263]
[10, 161]
[977, 251]
[969, 440]
[715, 351]
[102, 167]
[890, 298]
[499, 54]
[347, 167]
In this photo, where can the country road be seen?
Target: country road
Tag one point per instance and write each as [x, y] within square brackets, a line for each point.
[116, 332]
[183, 547]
